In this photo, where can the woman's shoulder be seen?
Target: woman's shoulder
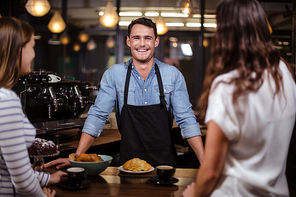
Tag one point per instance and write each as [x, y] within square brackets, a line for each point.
[225, 78]
[7, 93]
[8, 96]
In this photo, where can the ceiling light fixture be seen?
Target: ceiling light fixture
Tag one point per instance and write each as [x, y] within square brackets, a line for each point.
[151, 13]
[76, 47]
[187, 6]
[83, 37]
[110, 17]
[56, 23]
[124, 23]
[160, 25]
[91, 45]
[110, 42]
[64, 38]
[168, 14]
[130, 14]
[175, 24]
[37, 8]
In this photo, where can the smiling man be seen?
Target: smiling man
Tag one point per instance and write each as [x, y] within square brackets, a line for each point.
[147, 94]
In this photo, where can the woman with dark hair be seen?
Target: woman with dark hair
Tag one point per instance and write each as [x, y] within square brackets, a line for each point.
[249, 102]
[17, 177]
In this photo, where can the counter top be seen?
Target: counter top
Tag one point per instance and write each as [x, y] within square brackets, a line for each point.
[113, 182]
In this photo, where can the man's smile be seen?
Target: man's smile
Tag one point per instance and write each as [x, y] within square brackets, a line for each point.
[142, 50]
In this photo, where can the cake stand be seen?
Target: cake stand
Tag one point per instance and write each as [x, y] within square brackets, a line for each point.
[38, 164]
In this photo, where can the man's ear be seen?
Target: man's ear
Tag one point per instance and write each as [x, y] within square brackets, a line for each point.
[128, 41]
[157, 41]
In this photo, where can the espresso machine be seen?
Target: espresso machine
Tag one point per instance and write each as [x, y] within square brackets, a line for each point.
[53, 106]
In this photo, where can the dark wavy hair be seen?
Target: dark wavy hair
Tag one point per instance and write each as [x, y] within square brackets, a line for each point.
[242, 42]
[142, 21]
[14, 35]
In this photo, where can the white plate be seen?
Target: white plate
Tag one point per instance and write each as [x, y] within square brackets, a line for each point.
[137, 172]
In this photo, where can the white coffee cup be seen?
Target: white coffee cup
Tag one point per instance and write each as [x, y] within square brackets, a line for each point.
[53, 78]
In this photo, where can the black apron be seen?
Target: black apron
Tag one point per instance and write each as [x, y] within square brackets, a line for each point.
[145, 130]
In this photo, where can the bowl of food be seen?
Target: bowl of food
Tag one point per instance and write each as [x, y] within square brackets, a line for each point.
[93, 164]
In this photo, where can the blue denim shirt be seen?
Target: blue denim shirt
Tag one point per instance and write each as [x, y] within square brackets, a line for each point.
[140, 93]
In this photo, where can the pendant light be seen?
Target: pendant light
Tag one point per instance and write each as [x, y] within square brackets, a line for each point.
[83, 37]
[110, 17]
[110, 42]
[37, 7]
[189, 7]
[64, 38]
[76, 47]
[160, 25]
[56, 23]
[91, 45]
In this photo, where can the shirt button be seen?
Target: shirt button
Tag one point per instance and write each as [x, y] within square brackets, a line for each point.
[138, 77]
[164, 89]
[145, 90]
[146, 103]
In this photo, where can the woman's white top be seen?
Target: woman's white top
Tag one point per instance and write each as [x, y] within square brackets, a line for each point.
[16, 135]
[259, 129]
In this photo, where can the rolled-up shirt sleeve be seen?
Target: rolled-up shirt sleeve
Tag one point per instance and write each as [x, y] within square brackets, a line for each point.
[182, 109]
[99, 112]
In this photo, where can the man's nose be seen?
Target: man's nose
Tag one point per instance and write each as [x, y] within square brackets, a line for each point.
[142, 41]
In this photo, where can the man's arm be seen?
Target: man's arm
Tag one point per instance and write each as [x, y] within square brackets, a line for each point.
[197, 146]
[85, 142]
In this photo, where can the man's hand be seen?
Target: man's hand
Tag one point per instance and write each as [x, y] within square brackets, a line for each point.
[57, 177]
[59, 163]
[48, 192]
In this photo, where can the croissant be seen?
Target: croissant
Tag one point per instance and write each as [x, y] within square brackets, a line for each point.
[136, 164]
[85, 157]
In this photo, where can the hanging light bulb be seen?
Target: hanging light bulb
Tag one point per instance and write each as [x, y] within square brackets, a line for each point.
[64, 38]
[91, 45]
[160, 25]
[110, 17]
[76, 47]
[187, 9]
[83, 37]
[187, 6]
[37, 7]
[56, 23]
[110, 42]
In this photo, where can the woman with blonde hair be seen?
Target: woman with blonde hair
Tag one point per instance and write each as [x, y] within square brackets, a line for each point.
[249, 100]
[17, 178]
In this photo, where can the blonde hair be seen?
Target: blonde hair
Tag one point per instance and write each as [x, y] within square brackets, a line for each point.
[14, 35]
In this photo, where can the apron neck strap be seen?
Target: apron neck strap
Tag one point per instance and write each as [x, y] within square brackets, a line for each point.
[160, 86]
[127, 80]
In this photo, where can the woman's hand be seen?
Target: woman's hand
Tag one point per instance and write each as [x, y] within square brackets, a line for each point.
[57, 177]
[59, 163]
[189, 191]
[48, 192]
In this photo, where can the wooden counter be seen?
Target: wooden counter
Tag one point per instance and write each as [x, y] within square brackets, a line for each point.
[112, 182]
[107, 137]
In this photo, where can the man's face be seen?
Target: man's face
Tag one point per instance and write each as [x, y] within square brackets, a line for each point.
[142, 42]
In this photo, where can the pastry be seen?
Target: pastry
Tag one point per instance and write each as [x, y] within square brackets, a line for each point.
[136, 164]
[85, 157]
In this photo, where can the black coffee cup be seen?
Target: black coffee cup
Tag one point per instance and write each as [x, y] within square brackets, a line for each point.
[76, 176]
[165, 172]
